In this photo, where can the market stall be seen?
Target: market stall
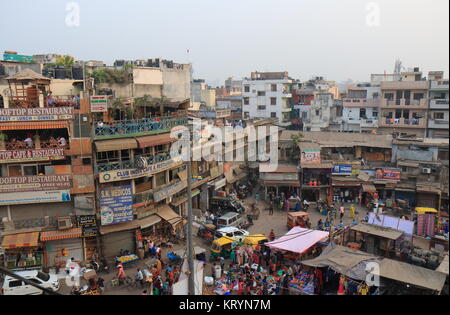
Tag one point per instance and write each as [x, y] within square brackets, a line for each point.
[298, 240]
[23, 251]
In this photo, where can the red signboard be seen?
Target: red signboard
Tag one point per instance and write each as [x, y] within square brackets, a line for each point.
[12, 156]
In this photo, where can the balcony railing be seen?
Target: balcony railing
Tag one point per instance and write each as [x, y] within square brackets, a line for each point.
[42, 144]
[144, 197]
[439, 103]
[130, 164]
[404, 102]
[438, 124]
[143, 126]
[402, 122]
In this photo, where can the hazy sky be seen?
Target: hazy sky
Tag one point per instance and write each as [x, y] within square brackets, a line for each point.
[330, 38]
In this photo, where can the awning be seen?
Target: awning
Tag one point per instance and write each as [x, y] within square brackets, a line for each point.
[369, 188]
[116, 145]
[182, 175]
[409, 164]
[298, 240]
[428, 189]
[61, 235]
[346, 184]
[318, 166]
[411, 274]
[108, 229]
[378, 231]
[20, 240]
[151, 141]
[167, 214]
[149, 221]
[286, 183]
[230, 177]
[33, 125]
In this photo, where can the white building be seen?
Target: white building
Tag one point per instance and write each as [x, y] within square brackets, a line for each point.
[267, 95]
[320, 112]
[438, 114]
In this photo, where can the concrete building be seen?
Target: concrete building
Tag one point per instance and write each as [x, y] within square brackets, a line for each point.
[438, 112]
[324, 113]
[267, 95]
[202, 93]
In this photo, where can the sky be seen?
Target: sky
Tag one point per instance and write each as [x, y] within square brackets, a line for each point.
[337, 39]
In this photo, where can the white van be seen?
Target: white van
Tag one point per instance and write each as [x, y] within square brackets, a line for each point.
[230, 219]
[13, 286]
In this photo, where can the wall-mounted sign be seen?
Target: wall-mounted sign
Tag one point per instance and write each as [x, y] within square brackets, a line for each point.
[387, 174]
[308, 157]
[34, 197]
[35, 183]
[99, 104]
[36, 114]
[169, 191]
[342, 170]
[88, 224]
[116, 204]
[13, 156]
[114, 176]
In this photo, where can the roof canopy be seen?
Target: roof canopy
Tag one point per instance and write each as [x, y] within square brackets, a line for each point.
[298, 240]
[27, 75]
[379, 231]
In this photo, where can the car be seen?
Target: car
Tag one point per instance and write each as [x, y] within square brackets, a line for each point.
[233, 232]
[230, 219]
[13, 286]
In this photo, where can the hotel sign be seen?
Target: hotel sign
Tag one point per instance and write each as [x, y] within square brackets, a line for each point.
[114, 176]
[169, 191]
[36, 114]
[34, 183]
[13, 156]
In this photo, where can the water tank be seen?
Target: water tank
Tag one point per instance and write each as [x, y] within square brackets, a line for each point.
[77, 73]
[60, 73]
[416, 69]
[2, 70]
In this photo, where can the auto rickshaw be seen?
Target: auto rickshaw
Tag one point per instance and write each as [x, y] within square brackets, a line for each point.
[297, 219]
[222, 247]
[256, 240]
[424, 210]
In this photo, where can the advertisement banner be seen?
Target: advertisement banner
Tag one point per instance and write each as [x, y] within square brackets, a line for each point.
[168, 191]
[387, 174]
[31, 155]
[342, 170]
[35, 183]
[34, 197]
[309, 157]
[116, 205]
[119, 175]
[36, 114]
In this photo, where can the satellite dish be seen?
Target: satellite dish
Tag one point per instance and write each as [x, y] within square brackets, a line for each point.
[7, 92]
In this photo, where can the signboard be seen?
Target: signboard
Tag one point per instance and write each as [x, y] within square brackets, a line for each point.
[90, 231]
[17, 198]
[36, 114]
[18, 58]
[387, 174]
[88, 224]
[309, 157]
[342, 170]
[169, 191]
[114, 176]
[13, 156]
[116, 204]
[35, 183]
[99, 104]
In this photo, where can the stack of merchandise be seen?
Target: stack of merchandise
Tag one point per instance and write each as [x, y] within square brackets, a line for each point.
[303, 283]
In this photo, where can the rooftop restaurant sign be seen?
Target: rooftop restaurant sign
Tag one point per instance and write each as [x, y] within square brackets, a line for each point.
[36, 114]
[114, 176]
[13, 156]
[34, 183]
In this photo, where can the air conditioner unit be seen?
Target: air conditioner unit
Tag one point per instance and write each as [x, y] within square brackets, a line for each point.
[64, 223]
[426, 170]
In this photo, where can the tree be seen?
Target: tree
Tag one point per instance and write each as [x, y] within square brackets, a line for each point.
[296, 139]
[67, 62]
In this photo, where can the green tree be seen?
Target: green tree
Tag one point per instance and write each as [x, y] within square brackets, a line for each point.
[67, 62]
[296, 139]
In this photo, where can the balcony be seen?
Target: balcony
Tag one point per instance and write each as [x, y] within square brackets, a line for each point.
[361, 102]
[404, 85]
[441, 85]
[439, 104]
[405, 103]
[402, 123]
[36, 145]
[130, 128]
[438, 124]
[101, 166]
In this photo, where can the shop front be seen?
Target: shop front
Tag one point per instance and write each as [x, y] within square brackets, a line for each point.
[61, 245]
[117, 237]
[346, 189]
[23, 251]
[172, 224]
[315, 181]
[428, 196]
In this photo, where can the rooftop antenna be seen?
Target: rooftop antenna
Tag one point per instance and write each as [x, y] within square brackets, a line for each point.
[398, 66]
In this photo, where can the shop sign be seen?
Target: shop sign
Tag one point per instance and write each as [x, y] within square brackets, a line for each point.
[34, 183]
[169, 191]
[90, 231]
[309, 157]
[342, 170]
[12, 156]
[116, 205]
[119, 175]
[387, 174]
[86, 220]
[34, 197]
[99, 104]
[36, 114]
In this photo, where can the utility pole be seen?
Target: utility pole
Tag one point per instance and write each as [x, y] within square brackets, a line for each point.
[190, 246]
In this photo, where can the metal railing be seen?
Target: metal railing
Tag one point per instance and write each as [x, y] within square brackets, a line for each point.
[43, 144]
[131, 127]
[130, 164]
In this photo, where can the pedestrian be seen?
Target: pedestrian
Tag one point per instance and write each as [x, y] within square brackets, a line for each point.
[272, 235]
[352, 211]
[140, 277]
[341, 212]
[271, 210]
[213, 271]
[101, 284]
[320, 225]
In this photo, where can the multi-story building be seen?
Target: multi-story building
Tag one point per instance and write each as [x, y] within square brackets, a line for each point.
[267, 95]
[404, 105]
[46, 181]
[438, 112]
[322, 112]
[202, 93]
[361, 108]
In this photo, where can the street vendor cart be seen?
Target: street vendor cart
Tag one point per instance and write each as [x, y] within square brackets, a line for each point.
[256, 240]
[297, 219]
[127, 260]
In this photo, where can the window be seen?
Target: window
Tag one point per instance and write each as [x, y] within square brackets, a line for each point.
[362, 113]
[375, 114]
[261, 107]
[406, 114]
[418, 96]
[273, 88]
[438, 115]
[317, 112]
[273, 101]
[30, 170]
[160, 179]
[398, 114]
[389, 96]
[87, 161]
[246, 101]
[246, 114]
[261, 93]
[443, 155]
[247, 88]
[14, 284]
[273, 115]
